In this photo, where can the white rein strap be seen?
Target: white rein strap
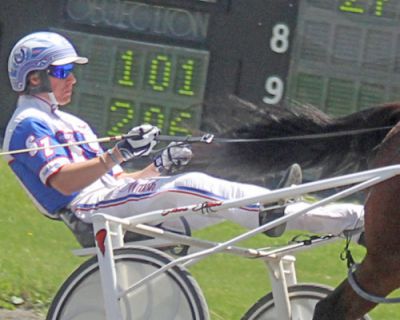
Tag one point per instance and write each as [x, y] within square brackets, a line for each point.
[363, 294]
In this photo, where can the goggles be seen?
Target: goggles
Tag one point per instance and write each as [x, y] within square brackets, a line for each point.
[60, 72]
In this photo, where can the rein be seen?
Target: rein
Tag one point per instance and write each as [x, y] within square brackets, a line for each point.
[209, 138]
[306, 136]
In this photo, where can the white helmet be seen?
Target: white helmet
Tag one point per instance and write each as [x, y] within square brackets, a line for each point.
[37, 51]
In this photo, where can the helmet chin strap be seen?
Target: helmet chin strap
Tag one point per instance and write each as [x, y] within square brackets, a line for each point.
[53, 101]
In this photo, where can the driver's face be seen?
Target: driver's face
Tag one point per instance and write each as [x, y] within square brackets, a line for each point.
[62, 88]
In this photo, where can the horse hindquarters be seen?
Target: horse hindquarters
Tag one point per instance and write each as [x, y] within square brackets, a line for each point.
[378, 274]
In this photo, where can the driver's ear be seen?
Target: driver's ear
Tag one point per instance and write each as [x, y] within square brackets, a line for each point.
[37, 81]
[34, 79]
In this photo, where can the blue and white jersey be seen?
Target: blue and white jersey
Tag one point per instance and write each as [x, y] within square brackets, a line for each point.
[37, 124]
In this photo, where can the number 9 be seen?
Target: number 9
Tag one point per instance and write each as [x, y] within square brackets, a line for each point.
[274, 87]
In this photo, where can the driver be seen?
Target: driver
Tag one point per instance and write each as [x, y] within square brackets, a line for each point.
[75, 182]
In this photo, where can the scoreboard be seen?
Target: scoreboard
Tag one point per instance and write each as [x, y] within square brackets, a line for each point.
[175, 63]
[346, 54]
[174, 60]
[128, 82]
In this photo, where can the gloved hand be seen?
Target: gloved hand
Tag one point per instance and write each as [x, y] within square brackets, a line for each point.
[141, 142]
[173, 158]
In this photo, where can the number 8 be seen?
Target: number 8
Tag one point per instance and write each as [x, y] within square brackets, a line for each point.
[279, 42]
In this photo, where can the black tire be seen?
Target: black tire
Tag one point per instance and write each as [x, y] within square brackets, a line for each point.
[302, 297]
[173, 295]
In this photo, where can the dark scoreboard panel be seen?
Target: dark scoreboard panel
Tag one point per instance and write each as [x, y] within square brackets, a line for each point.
[174, 63]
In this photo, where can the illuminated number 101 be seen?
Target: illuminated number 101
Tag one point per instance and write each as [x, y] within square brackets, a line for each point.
[160, 69]
[160, 74]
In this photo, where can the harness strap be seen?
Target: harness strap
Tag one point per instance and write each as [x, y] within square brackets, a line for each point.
[352, 266]
[363, 294]
[346, 254]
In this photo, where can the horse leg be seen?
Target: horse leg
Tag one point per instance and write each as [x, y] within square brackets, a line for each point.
[339, 304]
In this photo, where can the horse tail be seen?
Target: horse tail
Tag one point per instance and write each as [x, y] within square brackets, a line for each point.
[341, 150]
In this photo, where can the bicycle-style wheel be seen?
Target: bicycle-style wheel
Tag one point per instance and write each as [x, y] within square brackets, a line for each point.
[303, 298]
[172, 295]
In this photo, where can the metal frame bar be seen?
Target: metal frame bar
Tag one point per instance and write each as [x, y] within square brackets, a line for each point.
[282, 270]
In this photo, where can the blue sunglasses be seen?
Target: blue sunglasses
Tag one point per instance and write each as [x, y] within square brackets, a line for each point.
[60, 72]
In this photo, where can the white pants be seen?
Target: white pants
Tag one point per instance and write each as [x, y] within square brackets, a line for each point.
[132, 197]
[332, 218]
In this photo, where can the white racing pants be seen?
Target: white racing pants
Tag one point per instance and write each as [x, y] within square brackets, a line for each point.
[132, 197]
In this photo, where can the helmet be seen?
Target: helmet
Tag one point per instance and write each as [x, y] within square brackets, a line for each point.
[37, 51]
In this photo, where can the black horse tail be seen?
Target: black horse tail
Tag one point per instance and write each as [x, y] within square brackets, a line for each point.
[343, 145]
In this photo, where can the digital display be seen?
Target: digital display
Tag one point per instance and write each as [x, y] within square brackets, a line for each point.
[379, 8]
[346, 54]
[127, 83]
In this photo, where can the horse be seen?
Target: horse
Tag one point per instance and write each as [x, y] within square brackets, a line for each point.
[378, 274]
[338, 154]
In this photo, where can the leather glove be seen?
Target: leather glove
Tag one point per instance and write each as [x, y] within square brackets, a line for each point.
[173, 158]
[141, 142]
